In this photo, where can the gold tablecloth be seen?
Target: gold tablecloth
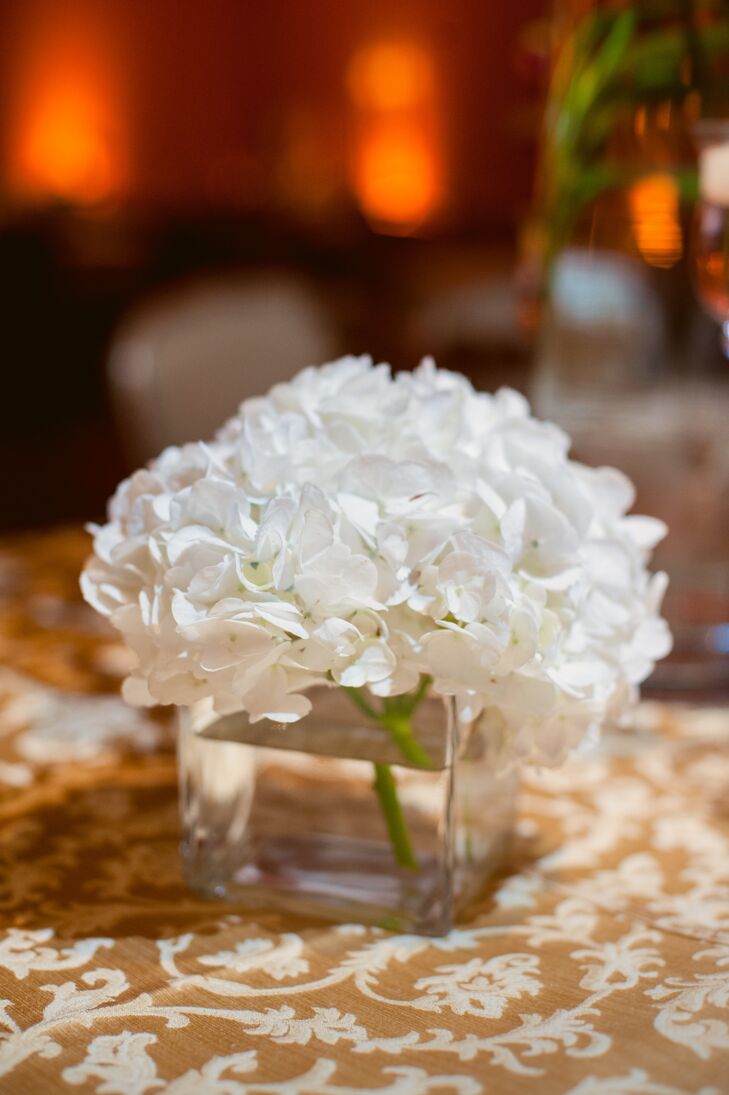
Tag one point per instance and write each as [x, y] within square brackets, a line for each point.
[598, 965]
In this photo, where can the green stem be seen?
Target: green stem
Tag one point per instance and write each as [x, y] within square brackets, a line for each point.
[387, 793]
[358, 700]
[401, 731]
[396, 718]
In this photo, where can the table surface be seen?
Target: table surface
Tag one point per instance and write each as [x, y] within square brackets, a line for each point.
[598, 964]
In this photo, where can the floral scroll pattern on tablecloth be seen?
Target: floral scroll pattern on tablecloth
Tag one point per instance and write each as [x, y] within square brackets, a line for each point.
[599, 965]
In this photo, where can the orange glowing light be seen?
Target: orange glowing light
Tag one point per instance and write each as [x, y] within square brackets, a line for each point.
[396, 179]
[397, 164]
[654, 212]
[66, 131]
[390, 76]
[66, 151]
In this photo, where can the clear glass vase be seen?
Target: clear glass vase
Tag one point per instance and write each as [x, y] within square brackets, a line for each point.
[390, 814]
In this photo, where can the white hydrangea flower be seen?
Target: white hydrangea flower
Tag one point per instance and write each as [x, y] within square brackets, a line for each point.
[360, 529]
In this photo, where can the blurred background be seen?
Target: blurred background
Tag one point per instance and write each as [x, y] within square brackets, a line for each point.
[197, 199]
[363, 164]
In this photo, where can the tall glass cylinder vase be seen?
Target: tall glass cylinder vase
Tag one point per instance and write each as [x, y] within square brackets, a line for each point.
[382, 812]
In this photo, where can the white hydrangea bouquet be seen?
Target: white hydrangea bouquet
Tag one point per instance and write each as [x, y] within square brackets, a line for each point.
[392, 537]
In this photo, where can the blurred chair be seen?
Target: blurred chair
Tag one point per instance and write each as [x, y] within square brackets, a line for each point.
[470, 323]
[180, 365]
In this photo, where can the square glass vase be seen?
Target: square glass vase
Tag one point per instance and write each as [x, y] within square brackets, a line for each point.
[340, 816]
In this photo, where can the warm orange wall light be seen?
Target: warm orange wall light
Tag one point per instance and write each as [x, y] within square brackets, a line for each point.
[396, 163]
[396, 179]
[65, 151]
[390, 76]
[66, 126]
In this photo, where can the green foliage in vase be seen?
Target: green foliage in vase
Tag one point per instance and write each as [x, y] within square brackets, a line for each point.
[614, 61]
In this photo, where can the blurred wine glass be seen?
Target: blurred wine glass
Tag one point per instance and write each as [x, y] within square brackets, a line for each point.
[710, 242]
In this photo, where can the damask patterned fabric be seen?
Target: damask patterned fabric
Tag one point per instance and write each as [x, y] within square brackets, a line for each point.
[598, 965]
